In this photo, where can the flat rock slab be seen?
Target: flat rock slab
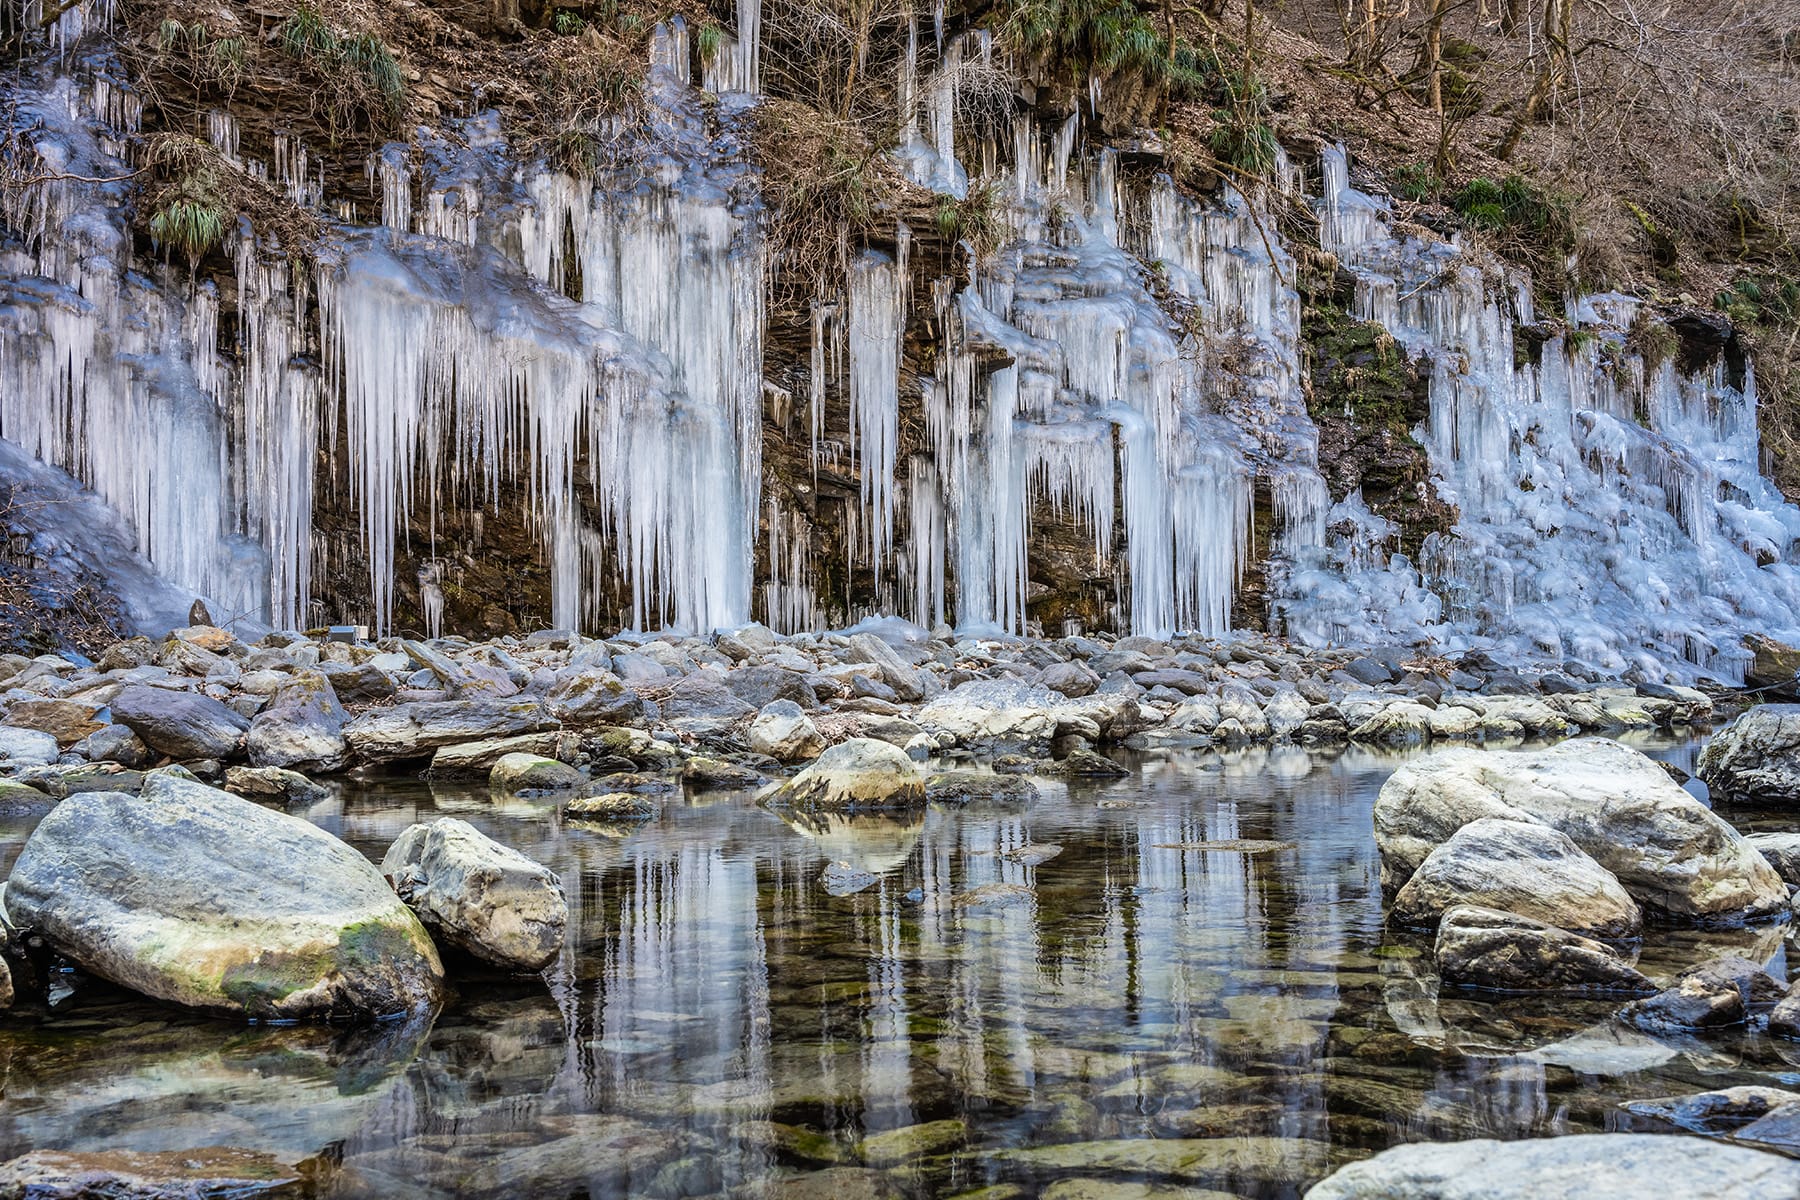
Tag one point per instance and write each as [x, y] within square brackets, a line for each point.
[150, 1175]
[1602, 1166]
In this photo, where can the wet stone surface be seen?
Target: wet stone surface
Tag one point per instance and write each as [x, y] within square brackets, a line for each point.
[1197, 994]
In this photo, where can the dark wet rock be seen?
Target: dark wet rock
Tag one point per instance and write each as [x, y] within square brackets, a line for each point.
[611, 806]
[1605, 1166]
[181, 724]
[1085, 764]
[151, 1175]
[994, 896]
[483, 898]
[1501, 951]
[1667, 849]
[1754, 985]
[1715, 1112]
[68, 721]
[1519, 867]
[1693, 1003]
[963, 787]
[1755, 759]
[760, 686]
[1069, 679]
[301, 729]
[1014, 764]
[1368, 671]
[597, 1154]
[715, 774]
[859, 773]
[521, 773]
[197, 897]
[274, 783]
[409, 731]
[358, 682]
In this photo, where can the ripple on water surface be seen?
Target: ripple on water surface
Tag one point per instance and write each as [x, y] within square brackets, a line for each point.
[1177, 983]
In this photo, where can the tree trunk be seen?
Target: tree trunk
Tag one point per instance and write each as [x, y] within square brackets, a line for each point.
[1434, 57]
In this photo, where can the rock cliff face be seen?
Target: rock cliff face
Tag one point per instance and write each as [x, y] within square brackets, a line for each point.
[578, 319]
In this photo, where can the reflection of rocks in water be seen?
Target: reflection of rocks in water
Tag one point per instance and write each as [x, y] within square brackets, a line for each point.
[1667, 952]
[876, 842]
[846, 879]
[587, 1154]
[1476, 1023]
[217, 1171]
[495, 1056]
[1253, 1163]
[1608, 1048]
[149, 1084]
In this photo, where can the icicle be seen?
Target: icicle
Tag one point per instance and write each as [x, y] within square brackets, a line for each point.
[875, 328]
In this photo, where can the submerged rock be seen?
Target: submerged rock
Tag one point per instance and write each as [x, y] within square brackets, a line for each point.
[1603, 1166]
[1717, 1111]
[859, 773]
[1519, 867]
[485, 899]
[1501, 951]
[151, 1175]
[843, 878]
[1667, 849]
[194, 896]
[1755, 759]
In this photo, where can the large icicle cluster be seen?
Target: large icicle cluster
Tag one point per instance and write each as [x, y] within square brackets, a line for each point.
[1126, 359]
[1611, 509]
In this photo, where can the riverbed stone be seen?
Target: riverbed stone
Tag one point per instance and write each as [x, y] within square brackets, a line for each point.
[1519, 867]
[116, 744]
[1667, 849]
[1717, 1111]
[181, 724]
[521, 772]
[784, 732]
[274, 783]
[858, 773]
[1755, 759]
[197, 897]
[1502, 951]
[1602, 1166]
[477, 895]
[1693, 1003]
[1401, 724]
[594, 696]
[1783, 852]
[897, 1146]
[68, 721]
[21, 747]
[302, 729]
[475, 760]
[611, 806]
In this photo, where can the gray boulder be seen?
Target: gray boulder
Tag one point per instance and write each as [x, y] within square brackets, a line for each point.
[485, 899]
[302, 729]
[474, 760]
[181, 724]
[274, 783]
[358, 681]
[1501, 951]
[594, 696]
[194, 896]
[115, 744]
[21, 747]
[762, 685]
[1755, 759]
[1600, 1166]
[1783, 852]
[908, 683]
[859, 773]
[1667, 849]
[1518, 867]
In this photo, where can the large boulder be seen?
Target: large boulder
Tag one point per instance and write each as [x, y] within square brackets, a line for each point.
[525, 772]
[1774, 668]
[859, 773]
[594, 696]
[1501, 951]
[181, 724]
[483, 898]
[996, 715]
[194, 896]
[1667, 849]
[1783, 852]
[1519, 867]
[1755, 759]
[21, 747]
[907, 681]
[1599, 1166]
[408, 731]
[68, 721]
[302, 729]
[785, 733]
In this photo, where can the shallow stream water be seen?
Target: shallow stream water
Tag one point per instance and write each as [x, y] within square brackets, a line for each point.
[1139, 1015]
